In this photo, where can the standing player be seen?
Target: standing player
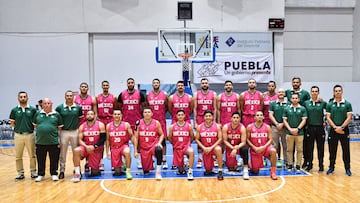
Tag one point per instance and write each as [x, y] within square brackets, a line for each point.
[157, 100]
[338, 115]
[315, 128]
[259, 139]
[276, 112]
[181, 135]
[71, 114]
[131, 102]
[92, 135]
[86, 101]
[234, 135]
[209, 137]
[180, 100]
[105, 103]
[21, 118]
[204, 99]
[150, 135]
[118, 134]
[269, 97]
[227, 103]
[250, 101]
[294, 120]
[296, 88]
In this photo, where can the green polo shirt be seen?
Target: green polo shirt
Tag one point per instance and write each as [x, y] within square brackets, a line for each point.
[303, 95]
[70, 115]
[338, 111]
[278, 108]
[47, 127]
[294, 117]
[315, 112]
[23, 118]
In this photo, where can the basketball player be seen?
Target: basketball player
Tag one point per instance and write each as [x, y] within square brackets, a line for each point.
[250, 101]
[180, 100]
[105, 103]
[181, 135]
[234, 135]
[259, 139]
[92, 135]
[269, 97]
[118, 134]
[157, 100]
[227, 103]
[276, 112]
[71, 114]
[209, 138]
[86, 101]
[204, 99]
[131, 101]
[294, 120]
[150, 135]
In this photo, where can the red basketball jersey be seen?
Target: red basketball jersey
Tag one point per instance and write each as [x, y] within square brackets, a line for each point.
[267, 101]
[91, 134]
[228, 105]
[181, 136]
[258, 136]
[118, 134]
[157, 103]
[131, 106]
[204, 102]
[86, 105]
[105, 105]
[181, 103]
[148, 134]
[234, 134]
[208, 134]
[251, 103]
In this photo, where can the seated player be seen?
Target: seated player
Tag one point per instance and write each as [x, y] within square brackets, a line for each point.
[209, 138]
[181, 135]
[259, 139]
[118, 134]
[92, 136]
[234, 136]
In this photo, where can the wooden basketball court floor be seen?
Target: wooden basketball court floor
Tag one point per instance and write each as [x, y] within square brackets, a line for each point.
[305, 187]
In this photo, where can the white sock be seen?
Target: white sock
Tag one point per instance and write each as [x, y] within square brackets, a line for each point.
[158, 168]
[127, 169]
[220, 169]
[77, 170]
[190, 169]
[246, 168]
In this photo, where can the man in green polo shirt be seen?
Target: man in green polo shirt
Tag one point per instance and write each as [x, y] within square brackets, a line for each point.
[71, 114]
[48, 122]
[315, 129]
[276, 112]
[21, 118]
[338, 115]
[296, 88]
[294, 120]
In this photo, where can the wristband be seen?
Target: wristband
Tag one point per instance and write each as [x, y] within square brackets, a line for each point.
[299, 129]
[95, 146]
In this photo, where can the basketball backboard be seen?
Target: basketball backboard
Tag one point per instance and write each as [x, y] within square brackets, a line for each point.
[173, 44]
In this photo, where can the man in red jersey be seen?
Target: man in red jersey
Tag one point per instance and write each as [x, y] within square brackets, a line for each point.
[157, 100]
[86, 101]
[181, 135]
[227, 103]
[118, 134]
[259, 139]
[251, 101]
[92, 136]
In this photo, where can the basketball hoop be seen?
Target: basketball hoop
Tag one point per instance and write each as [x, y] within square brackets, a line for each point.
[186, 63]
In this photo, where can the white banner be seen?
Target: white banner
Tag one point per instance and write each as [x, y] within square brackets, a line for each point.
[237, 67]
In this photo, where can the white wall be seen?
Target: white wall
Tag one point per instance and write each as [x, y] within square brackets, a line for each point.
[134, 15]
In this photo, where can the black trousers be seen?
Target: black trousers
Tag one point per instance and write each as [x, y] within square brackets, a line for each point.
[345, 146]
[41, 153]
[315, 133]
[244, 153]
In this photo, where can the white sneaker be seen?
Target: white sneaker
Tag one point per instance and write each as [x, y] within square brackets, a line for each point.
[216, 163]
[54, 177]
[190, 175]
[158, 176]
[246, 175]
[139, 165]
[165, 165]
[76, 178]
[39, 178]
[240, 162]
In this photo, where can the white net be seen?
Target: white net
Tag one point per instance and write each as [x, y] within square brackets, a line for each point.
[186, 65]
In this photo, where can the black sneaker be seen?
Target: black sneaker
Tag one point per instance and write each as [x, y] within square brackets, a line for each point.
[330, 171]
[321, 168]
[305, 165]
[146, 172]
[348, 172]
[308, 168]
[220, 176]
[20, 177]
[61, 175]
[33, 175]
[119, 174]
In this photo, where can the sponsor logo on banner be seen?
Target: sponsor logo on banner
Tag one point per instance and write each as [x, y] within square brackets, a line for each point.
[237, 67]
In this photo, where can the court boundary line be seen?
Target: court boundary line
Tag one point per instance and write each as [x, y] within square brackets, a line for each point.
[283, 182]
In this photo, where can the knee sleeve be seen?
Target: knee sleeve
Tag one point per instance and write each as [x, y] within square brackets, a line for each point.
[158, 154]
[244, 153]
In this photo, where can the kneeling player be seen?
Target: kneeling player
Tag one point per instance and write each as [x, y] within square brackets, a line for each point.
[259, 138]
[118, 134]
[181, 135]
[149, 135]
[92, 136]
[234, 135]
[209, 138]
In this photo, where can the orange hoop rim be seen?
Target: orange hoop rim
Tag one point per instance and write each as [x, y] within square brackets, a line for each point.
[185, 56]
